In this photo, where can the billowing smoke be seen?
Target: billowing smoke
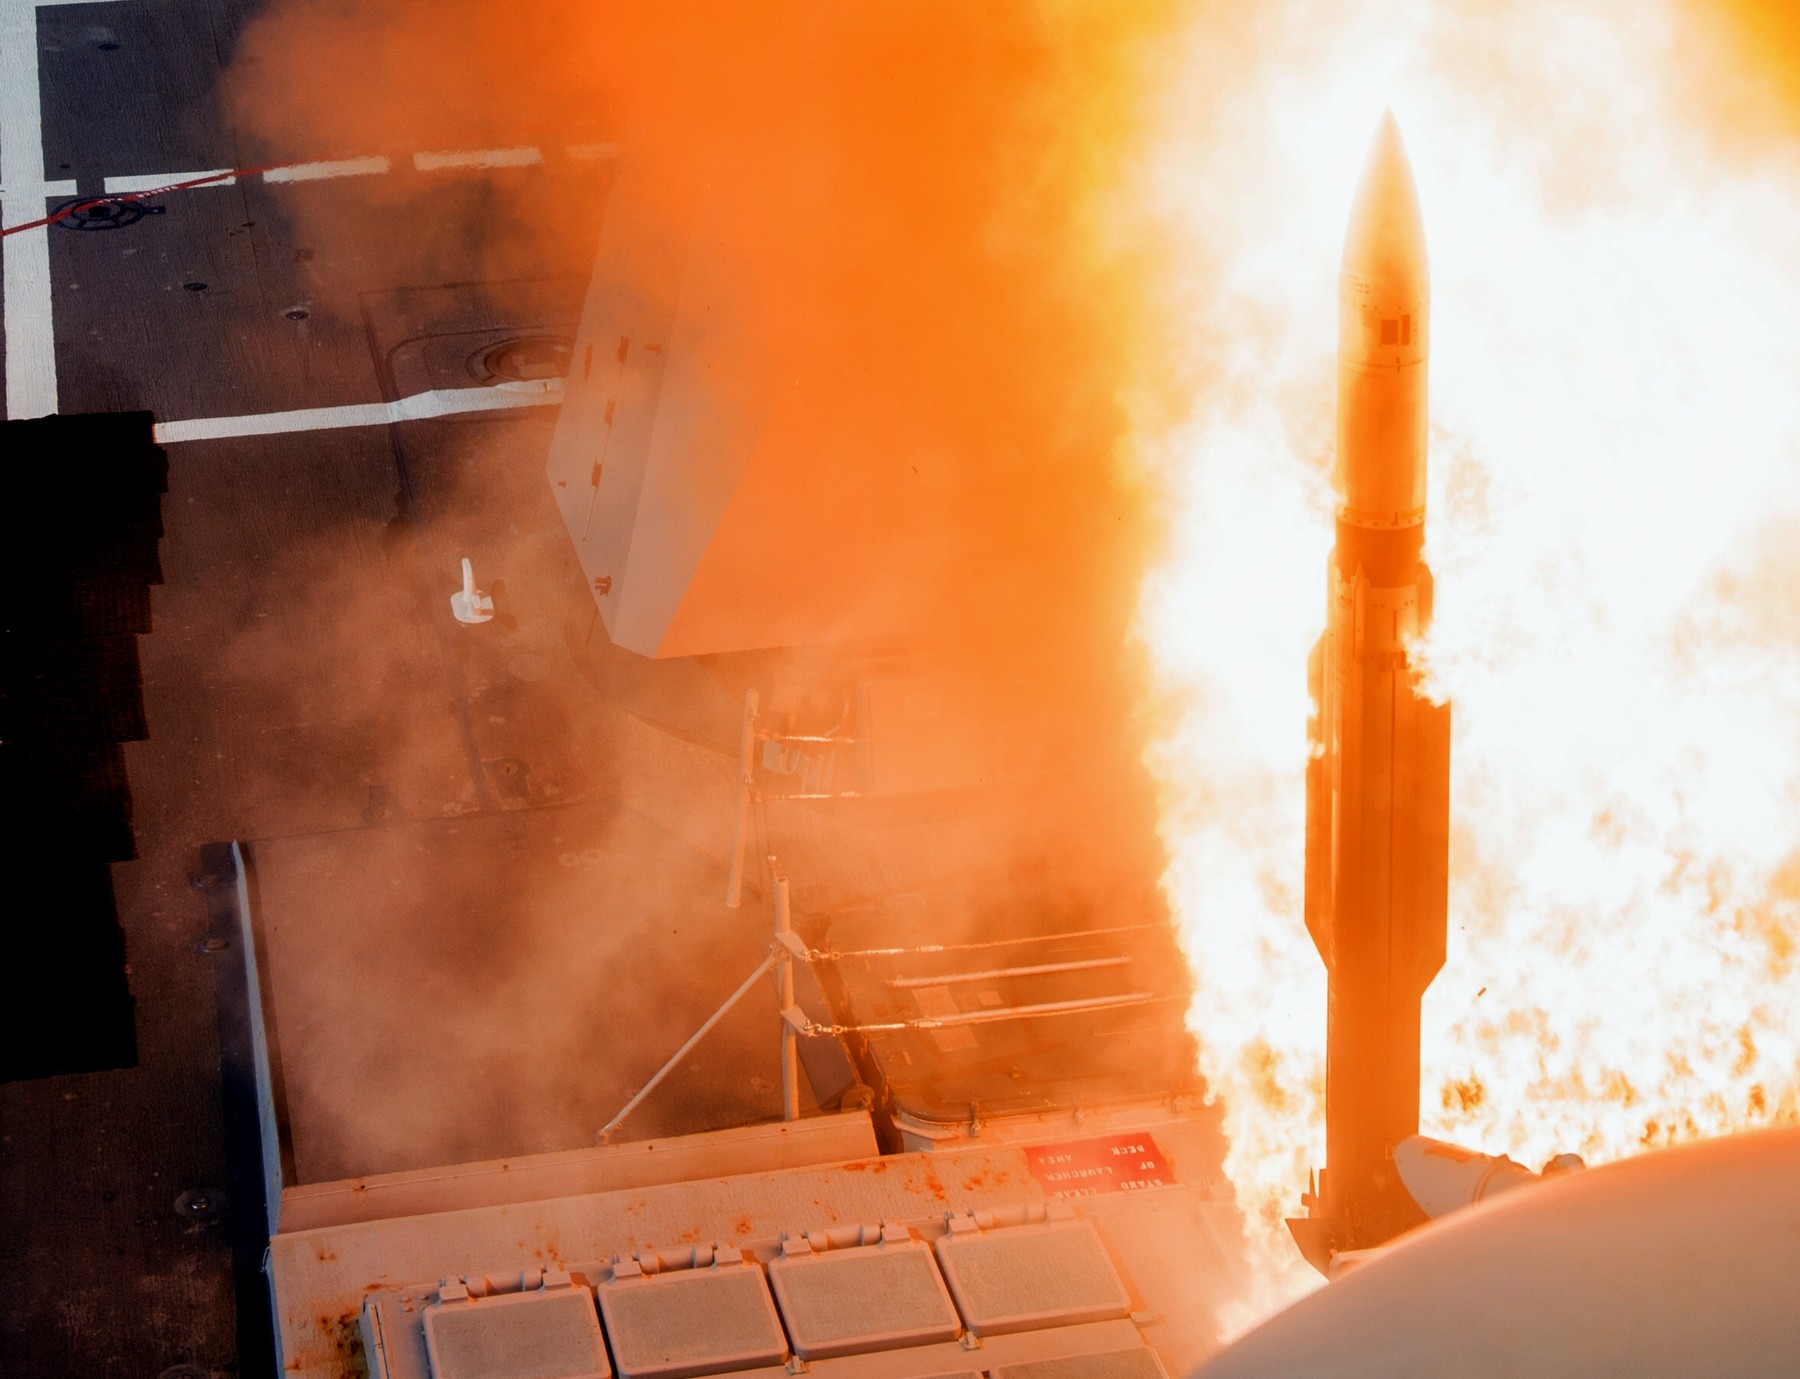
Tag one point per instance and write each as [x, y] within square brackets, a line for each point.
[909, 228]
[927, 296]
[978, 245]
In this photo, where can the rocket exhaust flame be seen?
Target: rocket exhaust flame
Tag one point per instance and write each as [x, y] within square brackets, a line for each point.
[1614, 507]
[1378, 777]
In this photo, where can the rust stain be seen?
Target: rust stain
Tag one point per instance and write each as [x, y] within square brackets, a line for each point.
[865, 1166]
[324, 1255]
[741, 1226]
[688, 1237]
[345, 1341]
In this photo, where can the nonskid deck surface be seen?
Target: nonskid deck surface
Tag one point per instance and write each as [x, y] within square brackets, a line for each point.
[304, 684]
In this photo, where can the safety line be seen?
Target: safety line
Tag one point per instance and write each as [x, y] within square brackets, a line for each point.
[1087, 1006]
[143, 186]
[995, 974]
[440, 402]
[841, 955]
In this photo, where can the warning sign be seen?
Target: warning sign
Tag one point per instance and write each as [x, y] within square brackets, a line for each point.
[1107, 1163]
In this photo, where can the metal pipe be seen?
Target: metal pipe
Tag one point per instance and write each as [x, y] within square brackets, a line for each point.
[1041, 970]
[1031, 1012]
[841, 955]
[982, 1017]
[734, 883]
[820, 795]
[784, 987]
[687, 1048]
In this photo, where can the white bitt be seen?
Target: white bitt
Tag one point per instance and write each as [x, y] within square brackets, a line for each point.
[468, 603]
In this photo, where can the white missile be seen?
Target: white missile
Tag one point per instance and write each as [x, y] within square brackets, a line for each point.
[1378, 782]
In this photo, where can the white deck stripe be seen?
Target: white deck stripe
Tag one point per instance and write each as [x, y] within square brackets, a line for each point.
[151, 181]
[478, 158]
[441, 402]
[341, 167]
[25, 276]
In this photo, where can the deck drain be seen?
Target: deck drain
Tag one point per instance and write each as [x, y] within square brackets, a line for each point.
[201, 1204]
[523, 359]
[511, 778]
[86, 214]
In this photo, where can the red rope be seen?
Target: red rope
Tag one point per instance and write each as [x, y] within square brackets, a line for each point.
[64, 212]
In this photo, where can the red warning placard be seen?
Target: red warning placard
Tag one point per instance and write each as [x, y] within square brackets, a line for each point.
[1106, 1163]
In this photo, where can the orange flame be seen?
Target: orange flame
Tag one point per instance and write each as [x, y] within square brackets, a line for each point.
[1615, 489]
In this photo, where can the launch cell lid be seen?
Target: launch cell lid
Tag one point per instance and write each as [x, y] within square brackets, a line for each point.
[864, 1298]
[1023, 1277]
[1139, 1362]
[548, 1333]
[690, 1322]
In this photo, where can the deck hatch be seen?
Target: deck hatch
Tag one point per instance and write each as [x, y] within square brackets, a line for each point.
[874, 1297]
[691, 1322]
[546, 1334]
[1025, 1277]
[1139, 1362]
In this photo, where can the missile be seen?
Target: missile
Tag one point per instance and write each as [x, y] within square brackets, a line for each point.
[1378, 774]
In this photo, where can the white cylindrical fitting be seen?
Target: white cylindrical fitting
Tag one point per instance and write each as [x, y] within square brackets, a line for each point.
[1442, 1177]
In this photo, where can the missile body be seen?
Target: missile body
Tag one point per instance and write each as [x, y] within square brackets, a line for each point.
[1377, 810]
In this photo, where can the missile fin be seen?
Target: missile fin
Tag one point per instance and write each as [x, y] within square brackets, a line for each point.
[1318, 807]
[1432, 901]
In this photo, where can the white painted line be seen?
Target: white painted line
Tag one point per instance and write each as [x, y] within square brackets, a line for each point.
[478, 158]
[588, 153]
[25, 275]
[62, 187]
[441, 402]
[314, 172]
[155, 181]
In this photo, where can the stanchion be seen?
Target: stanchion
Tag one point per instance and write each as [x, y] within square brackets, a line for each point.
[734, 884]
[784, 979]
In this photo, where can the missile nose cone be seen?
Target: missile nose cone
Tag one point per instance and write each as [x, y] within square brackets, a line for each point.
[1384, 341]
[1386, 239]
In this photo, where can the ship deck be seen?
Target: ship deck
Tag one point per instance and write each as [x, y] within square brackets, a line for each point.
[490, 859]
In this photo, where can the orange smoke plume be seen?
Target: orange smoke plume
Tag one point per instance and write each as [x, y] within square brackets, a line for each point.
[908, 231]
